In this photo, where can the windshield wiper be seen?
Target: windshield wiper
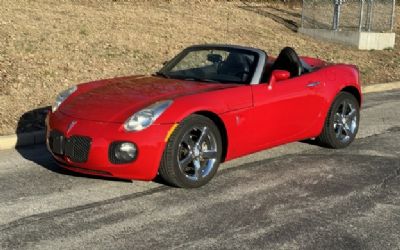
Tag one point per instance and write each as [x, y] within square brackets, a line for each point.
[162, 74]
[199, 79]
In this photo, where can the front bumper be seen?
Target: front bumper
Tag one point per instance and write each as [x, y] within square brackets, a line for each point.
[150, 146]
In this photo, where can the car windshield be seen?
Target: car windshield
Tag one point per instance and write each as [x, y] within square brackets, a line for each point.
[222, 65]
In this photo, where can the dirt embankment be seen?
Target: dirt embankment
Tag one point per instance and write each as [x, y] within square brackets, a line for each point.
[46, 46]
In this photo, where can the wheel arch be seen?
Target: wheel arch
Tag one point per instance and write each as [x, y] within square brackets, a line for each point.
[221, 127]
[354, 91]
[331, 95]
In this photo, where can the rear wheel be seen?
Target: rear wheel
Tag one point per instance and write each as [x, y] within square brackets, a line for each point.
[342, 121]
[193, 153]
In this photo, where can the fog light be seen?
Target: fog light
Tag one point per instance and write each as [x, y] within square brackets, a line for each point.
[122, 152]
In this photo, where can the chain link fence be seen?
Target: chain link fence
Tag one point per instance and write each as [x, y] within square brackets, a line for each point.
[362, 15]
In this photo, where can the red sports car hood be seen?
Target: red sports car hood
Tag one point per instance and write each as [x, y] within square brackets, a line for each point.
[114, 100]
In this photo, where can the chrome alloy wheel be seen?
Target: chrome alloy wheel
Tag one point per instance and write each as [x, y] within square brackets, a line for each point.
[197, 153]
[345, 121]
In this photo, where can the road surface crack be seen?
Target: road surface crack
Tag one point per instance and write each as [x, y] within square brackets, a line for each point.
[59, 212]
[385, 182]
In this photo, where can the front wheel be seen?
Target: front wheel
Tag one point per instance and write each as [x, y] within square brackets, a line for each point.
[193, 153]
[342, 121]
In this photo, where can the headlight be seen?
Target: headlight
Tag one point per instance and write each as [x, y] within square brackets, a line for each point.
[62, 97]
[145, 117]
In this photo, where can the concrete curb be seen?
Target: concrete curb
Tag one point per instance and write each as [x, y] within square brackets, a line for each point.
[381, 87]
[23, 139]
[38, 137]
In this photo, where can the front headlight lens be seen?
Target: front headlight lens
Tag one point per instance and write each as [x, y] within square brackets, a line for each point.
[62, 97]
[145, 117]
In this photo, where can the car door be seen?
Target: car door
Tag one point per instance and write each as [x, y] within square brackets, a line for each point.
[286, 110]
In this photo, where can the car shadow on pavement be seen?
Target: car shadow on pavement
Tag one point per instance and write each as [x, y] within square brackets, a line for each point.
[41, 157]
[160, 180]
[311, 142]
[32, 120]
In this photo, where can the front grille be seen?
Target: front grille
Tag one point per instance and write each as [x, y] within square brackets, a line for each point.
[76, 148]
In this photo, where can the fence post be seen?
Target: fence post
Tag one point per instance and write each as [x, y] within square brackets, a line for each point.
[361, 15]
[336, 14]
[393, 14]
[302, 14]
[370, 14]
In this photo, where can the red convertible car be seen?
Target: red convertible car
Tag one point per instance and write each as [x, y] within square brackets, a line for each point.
[209, 104]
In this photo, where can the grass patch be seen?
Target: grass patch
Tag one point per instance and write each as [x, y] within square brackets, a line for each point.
[44, 49]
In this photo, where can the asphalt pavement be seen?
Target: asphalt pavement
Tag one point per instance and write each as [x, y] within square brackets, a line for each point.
[296, 196]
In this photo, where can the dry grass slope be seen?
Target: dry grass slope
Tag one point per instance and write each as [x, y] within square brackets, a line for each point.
[46, 46]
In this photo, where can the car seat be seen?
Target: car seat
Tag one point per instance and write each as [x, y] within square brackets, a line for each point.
[288, 60]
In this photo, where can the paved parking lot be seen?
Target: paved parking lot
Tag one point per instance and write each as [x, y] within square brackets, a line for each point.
[294, 196]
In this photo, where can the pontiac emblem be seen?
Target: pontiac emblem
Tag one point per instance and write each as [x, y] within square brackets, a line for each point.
[71, 125]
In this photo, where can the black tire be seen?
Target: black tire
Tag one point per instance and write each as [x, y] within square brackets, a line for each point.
[331, 137]
[171, 171]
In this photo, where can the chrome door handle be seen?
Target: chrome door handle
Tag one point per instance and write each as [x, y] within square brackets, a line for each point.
[313, 84]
